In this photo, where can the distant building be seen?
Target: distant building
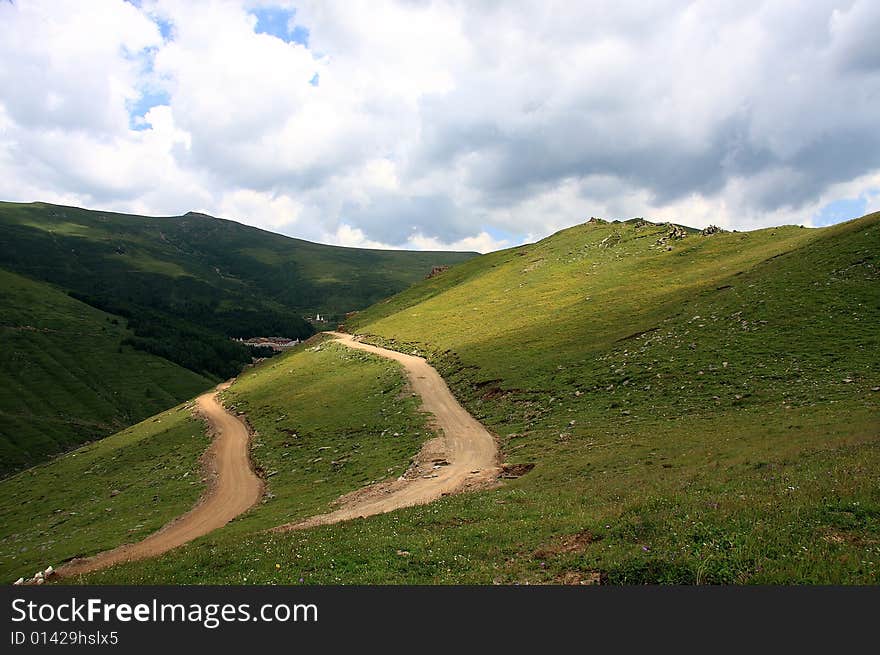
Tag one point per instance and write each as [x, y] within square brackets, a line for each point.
[275, 343]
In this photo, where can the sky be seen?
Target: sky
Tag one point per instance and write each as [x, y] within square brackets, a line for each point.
[432, 125]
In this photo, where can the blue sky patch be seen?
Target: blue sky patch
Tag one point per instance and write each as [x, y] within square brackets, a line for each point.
[138, 109]
[278, 22]
[840, 210]
[503, 235]
[164, 28]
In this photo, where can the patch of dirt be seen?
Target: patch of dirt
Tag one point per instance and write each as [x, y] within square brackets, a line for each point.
[510, 471]
[573, 543]
[580, 578]
[636, 335]
[842, 537]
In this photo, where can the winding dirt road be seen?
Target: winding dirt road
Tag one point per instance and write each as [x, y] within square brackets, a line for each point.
[463, 459]
[234, 488]
[466, 457]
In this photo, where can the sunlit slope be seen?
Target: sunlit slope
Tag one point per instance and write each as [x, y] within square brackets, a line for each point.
[539, 316]
[68, 378]
[708, 415]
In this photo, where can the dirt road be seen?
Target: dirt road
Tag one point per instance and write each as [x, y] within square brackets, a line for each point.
[464, 458]
[233, 489]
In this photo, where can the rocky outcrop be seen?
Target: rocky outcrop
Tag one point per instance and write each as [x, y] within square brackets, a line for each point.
[673, 233]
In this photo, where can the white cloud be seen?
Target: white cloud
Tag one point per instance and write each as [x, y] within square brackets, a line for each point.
[353, 237]
[440, 123]
[482, 242]
[260, 209]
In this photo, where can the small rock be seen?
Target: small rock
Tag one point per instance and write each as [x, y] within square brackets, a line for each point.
[403, 553]
[113, 493]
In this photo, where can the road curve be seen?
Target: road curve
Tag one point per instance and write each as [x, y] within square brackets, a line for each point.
[470, 450]
[234, 488]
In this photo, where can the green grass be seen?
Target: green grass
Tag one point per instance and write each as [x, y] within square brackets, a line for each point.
[114, 491]
[66, 377]
[190, 265]
[173, 290]
[699, 415]
[328, 420]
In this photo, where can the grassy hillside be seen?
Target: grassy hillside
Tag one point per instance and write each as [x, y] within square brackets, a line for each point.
[705, 414]
[66, 375]
[708, 413]
[308, 451]
[175, 289]
[218, 274]
[113, 491]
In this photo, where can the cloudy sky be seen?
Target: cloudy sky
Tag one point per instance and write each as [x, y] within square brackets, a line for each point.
[420, 124]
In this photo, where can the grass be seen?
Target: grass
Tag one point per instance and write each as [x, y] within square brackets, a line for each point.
[704, 414]
[327, 420]
[66, 377]
[173, 290]
[113, 491]
[189, 265]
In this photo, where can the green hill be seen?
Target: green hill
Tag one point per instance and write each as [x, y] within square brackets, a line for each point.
[68, 377]
[215, 273]
[174, 289]
[188, 283]
[126, 486]
[703, 409]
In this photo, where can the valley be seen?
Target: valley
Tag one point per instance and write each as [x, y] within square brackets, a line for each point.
[669, 406]
[107, 318]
